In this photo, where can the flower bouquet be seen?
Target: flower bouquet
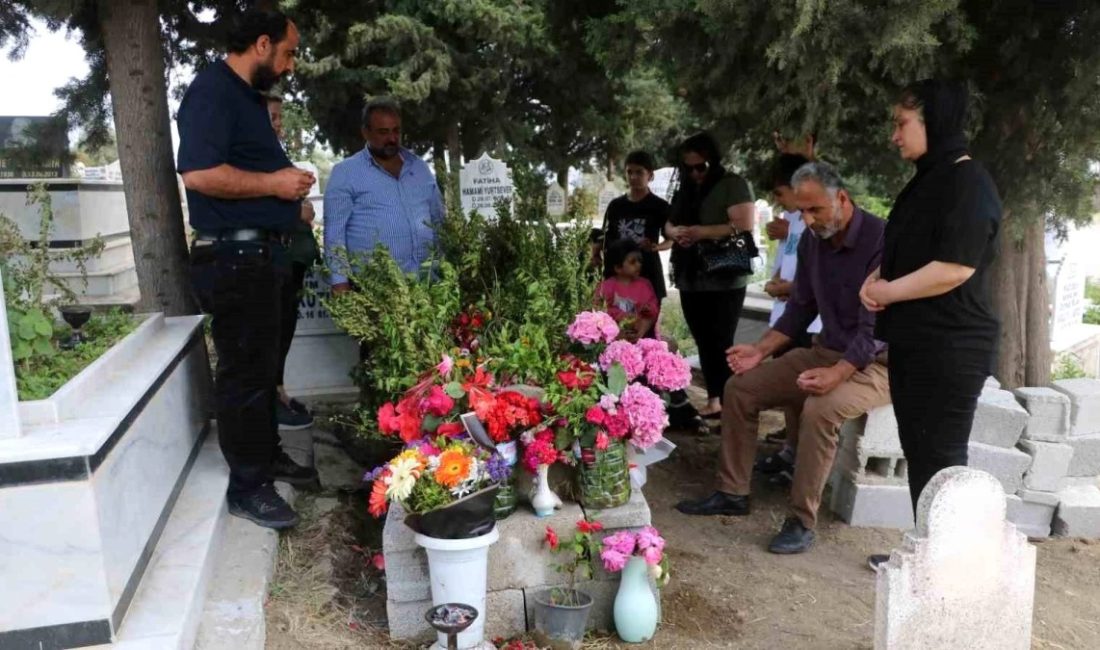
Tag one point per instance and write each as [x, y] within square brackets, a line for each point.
[613, 393]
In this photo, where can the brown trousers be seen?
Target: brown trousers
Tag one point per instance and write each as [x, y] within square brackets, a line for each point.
[773, 385]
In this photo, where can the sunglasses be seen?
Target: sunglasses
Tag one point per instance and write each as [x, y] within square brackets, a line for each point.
[701, 167]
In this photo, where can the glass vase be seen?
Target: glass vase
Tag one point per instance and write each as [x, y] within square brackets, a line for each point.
[604, 477]
[505, 503]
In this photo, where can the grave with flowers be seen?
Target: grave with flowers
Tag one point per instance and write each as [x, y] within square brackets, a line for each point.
[495, 480]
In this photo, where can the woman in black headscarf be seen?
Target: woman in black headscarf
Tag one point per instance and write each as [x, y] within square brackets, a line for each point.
[932, 290]
[711, 205]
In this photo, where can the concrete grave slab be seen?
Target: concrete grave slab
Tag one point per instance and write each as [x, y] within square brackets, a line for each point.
[1048, 414]
[1049, 465]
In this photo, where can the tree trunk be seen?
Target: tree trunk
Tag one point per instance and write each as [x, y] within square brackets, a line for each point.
[439, 162]
[563, 179]
[1022, 303]
[139, 100]
[454, 153]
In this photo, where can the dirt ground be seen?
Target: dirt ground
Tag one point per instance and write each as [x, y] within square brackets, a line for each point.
[726, 591]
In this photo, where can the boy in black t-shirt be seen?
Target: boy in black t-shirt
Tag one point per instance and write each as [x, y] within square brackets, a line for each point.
[639, 215]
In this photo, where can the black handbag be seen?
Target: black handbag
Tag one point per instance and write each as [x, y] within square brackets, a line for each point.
[733, 254]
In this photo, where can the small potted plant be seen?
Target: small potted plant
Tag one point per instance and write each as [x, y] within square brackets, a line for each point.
[561, 613]
[638, 555]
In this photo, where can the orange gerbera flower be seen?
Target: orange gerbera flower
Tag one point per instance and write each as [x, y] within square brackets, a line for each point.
[454, 468]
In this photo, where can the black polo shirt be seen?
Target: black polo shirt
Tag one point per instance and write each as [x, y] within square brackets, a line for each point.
[223, 120]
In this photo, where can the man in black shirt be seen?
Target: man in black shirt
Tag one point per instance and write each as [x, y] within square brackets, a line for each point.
[243, 197]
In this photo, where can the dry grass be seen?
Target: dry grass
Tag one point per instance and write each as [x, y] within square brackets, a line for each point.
[323, 596]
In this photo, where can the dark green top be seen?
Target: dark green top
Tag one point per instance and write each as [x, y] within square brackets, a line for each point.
[730, 190]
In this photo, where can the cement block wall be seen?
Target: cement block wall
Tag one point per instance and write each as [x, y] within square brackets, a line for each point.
[1042, 444]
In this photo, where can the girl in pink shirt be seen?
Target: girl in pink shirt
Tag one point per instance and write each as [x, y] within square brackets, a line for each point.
[626, 296]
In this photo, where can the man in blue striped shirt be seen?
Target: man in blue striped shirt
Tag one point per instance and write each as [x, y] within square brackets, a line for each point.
[385, 194]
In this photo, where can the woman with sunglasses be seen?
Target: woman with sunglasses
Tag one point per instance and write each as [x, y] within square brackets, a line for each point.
[711, 205]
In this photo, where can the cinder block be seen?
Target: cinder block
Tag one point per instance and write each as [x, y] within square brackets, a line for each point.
[406, 621]
[1049, 464]
[991, 382]
[1084, 397]
[863, 464]
[1048, 414]
[1082, 481]
[1038, 497]
[999, 419]
[1031, 519]
[877, 432]
[396, 536]
[407, 577]
[520, 558]
[881, 506]
[1006, 465]
[633, 514]
[1086, 456]
[1078, 513]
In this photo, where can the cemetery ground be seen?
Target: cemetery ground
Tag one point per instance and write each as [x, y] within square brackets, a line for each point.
[726, 591]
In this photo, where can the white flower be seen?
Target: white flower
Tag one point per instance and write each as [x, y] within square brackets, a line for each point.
[404, 472]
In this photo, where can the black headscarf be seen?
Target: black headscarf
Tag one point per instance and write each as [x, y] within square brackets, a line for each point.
[943, 105]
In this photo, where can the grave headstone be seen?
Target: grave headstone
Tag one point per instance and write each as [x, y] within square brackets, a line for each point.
[555, 201]
[608, 193]
[965, 578]
[33, 147]
[482, 183]
[9, 394]
[1069, 298]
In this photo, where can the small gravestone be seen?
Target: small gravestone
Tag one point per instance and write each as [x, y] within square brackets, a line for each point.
[555, 201]
[965, 578]
[1069, 298]
[482, 183]
[9, 393]
[33, 147]
[607, 194]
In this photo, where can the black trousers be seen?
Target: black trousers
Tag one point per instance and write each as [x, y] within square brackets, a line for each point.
[291, 296]
[240, 284]
[712, 318]
[935, 393]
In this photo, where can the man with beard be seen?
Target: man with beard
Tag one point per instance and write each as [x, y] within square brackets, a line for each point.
[384, 194]
[841, 377]
[243, 196]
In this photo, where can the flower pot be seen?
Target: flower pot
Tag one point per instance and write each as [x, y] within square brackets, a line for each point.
[544, 500]
[603, 477]
[635, 605]
[458, 569]
[469, 517]
[561, 626]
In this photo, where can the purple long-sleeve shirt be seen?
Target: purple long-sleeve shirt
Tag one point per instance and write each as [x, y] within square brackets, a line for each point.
[827, 283]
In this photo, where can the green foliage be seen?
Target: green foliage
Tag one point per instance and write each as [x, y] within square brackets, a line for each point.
[578, 551]
[673, 326]
[31, 334]
[403, 319]
[1067, 366]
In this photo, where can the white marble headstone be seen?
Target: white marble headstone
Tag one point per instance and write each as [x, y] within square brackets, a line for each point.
[1069, 297]
[555, 201]
[9, 394]
[482, 183]
[965, 578]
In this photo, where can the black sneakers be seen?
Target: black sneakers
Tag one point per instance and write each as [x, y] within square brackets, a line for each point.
[792, 538]
[292, 417]
[263, 507]
[286, 470]
[875, 561]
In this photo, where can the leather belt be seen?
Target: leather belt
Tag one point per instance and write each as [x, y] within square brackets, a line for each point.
[240, 235]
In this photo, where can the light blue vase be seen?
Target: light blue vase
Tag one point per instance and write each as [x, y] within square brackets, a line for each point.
[635, 605]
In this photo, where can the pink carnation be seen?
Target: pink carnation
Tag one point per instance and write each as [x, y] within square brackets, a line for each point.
[602, 441]
[647, 415]
[613, 560]
[621, 542]
[667, 371]
[438, 403]
[652, 555]
[617, 425]
[595, 415]
[627, 355]
[593, 327]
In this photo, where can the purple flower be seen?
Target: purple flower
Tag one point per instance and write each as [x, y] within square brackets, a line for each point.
[373, 475]
[498, 468]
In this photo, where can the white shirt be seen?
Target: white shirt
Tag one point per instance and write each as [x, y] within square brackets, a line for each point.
[786, 263]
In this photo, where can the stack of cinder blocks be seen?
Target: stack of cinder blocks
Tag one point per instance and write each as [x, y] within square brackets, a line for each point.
[520, 567]
[1042, 444]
